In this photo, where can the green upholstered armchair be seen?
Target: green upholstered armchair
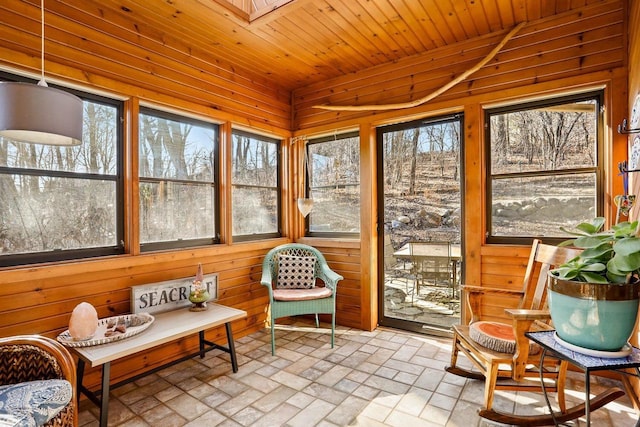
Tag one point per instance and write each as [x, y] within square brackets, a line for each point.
[299, 281]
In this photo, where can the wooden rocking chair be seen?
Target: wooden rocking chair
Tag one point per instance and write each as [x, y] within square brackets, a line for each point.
[516, 368]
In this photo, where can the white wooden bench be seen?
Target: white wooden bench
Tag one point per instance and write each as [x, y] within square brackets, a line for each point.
[168, 326]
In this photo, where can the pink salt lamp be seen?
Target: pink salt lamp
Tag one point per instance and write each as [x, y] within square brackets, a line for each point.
[83, 322]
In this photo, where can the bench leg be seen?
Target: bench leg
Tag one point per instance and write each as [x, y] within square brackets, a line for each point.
[79, 376]
[104, 397]
[232, 347]
[202, 343]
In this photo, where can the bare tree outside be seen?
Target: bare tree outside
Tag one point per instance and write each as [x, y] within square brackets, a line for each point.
[334, 174]
[543, 169]
[61, 198]
[177, 179]
[422, 188]
[254, 170]
[422, 223]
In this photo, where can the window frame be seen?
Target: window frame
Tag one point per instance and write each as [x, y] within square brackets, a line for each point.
[57, 255]
[308, 189]
[278, 187]
[146, 247]
[596, 170]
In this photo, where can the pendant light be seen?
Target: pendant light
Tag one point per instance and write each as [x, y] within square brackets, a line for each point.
[305, 205]
[37, 113]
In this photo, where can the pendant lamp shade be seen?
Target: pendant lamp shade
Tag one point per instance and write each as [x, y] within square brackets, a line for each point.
[40, 114]
[37, 113]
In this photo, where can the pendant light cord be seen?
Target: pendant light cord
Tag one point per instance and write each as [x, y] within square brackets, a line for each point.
[42, 82]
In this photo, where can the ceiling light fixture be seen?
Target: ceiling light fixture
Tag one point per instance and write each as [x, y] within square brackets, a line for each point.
[37, 113]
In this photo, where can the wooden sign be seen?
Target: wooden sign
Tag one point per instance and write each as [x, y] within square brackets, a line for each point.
[169, 295]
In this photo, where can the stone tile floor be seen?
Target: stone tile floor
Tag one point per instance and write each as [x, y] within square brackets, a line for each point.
[382, 378]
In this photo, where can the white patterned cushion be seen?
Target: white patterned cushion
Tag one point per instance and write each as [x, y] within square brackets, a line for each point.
[33, 403]
[300, 294]
[296, 272]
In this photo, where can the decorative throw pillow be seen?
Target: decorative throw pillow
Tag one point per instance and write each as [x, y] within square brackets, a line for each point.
[296, 272]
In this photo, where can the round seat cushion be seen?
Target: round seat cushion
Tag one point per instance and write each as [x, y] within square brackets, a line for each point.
[497, 337]
[301, 294]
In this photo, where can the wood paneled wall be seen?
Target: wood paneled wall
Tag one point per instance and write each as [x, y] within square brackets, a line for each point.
[545, 50]
[344, 257]
[634, 96]
[579, 51]
[151, 63]
[634, 91]
[40, 299]
[575, 51]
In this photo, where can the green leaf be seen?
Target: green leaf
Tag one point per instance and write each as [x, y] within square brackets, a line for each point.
[624, 264]
[592, 227]
[567, 242]
[565, 273]
[586, 242]
[573, 261]
[594, 278]
[609, 256]
[585, 228]
[627, 246]
[616, 278]
[625, 229]
[597, 267]
[601, 252]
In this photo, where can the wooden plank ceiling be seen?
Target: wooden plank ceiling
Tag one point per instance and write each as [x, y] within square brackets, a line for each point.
[295, 43]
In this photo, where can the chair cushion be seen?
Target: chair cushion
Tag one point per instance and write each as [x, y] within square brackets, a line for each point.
[497, 337]
[33, 403]
[296, 272]
[301, 294]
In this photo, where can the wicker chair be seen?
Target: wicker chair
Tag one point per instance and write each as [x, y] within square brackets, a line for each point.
[292, 302]
[32, 357]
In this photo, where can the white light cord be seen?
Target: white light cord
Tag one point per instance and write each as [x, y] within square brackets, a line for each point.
[42, 82]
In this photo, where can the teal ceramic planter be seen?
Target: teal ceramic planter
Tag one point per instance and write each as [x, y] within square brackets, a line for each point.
[593, 316]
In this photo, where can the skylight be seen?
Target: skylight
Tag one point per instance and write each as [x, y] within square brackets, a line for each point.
[250, 10]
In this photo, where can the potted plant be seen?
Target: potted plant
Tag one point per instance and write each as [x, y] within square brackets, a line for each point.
[593, 298]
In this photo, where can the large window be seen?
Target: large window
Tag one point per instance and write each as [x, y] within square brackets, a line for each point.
[254, 176]
[544, 167]
[334, 185]
[60, 203]
[178, 192]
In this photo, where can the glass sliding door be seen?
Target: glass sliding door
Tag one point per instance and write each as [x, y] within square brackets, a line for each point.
[420, 166]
